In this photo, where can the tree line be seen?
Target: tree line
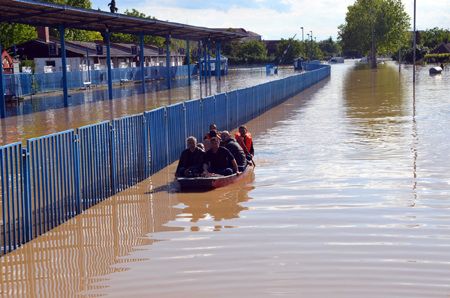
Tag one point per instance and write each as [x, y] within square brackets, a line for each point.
[381, 26]
[384, 28]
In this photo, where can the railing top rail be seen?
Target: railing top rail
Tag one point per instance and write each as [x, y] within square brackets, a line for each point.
[10, 145]
[92, 125]
[51, 135]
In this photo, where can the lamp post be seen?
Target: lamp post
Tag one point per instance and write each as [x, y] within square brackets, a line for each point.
[400, 37]
[311, 47]
[374, 64]
[315, 45]
[414, 53]
[307, 47]
[303, 44]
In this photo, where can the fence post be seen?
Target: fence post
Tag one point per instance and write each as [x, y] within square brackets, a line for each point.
[77, 172]
[112, 157]
[145, 154]
[26, 195]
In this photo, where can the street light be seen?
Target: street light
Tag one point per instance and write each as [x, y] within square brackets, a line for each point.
[374, 65]
[315, 41]
[310, 58]
[303, 43]
[306, 46]
[400, 37]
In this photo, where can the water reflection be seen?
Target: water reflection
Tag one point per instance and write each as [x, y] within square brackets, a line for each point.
[218, 205]
[61, 262]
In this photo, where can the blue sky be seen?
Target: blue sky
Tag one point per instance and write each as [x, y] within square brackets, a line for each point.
[273, 19]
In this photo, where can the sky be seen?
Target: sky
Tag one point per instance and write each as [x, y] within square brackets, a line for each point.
[273, 19]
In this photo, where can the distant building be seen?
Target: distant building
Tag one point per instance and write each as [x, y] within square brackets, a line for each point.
[271, 47]
[443, 48]
[46, 52]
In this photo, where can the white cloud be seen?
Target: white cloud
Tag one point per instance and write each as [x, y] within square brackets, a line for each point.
[321, 17]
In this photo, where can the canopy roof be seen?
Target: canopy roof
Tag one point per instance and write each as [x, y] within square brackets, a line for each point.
[36, 13]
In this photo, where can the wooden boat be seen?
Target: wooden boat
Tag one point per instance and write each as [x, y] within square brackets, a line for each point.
[211, 182]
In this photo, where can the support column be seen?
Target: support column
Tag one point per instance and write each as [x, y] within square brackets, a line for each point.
[64, 65]
[218, 58]
[206, 62]
[168, 62]
[88, 64]
[199, 62]
[108, 62]
[188, 61]
[209, 59]
[141, 57]
[2, 89]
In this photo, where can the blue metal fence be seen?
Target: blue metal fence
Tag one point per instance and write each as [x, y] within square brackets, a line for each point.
[58, 176]
[21, 84]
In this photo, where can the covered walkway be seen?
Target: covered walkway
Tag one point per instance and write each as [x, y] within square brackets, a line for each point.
[62, 16]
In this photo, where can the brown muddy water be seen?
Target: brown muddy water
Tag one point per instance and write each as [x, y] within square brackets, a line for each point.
[349, 198]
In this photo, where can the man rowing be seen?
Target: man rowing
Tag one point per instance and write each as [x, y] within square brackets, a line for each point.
[244, 138]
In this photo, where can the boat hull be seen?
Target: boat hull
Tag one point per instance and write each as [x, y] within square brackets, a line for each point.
[211, 182]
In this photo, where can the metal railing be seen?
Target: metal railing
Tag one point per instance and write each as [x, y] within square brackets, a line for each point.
[60, 175]
[26, 84]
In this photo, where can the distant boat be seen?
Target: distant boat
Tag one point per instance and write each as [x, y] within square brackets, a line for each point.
[337, 60]
[435, 70]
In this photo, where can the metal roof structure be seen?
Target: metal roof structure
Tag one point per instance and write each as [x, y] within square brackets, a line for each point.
[47, 14]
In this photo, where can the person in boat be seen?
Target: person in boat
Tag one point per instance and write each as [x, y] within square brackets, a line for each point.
[201, 146]
[212, 128]
[207, 142]
[244, 138]
[219, 160]
[191, 160]
[237, 151]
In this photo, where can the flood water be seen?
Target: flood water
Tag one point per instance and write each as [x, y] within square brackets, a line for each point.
[349, 198]
[45, 114]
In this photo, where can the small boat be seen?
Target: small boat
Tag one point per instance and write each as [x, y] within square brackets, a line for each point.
[337, 60]
[435, 70]
[211, 182]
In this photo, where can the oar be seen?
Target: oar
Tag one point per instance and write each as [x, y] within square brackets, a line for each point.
[246, 150]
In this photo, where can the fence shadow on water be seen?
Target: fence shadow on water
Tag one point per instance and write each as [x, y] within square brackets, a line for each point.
[59, 176]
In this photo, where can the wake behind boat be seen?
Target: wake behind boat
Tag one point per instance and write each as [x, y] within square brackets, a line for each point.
[211, 182]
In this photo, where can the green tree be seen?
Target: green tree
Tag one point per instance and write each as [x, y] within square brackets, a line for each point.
[230, 48]
[18, 33]
[329, 47]
[75, 34]
[381, 16]
[253, 52]
[431, 38]
[121, 37]
[296, 49]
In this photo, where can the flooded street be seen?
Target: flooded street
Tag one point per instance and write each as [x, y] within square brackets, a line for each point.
[349, 198]
[45, 114]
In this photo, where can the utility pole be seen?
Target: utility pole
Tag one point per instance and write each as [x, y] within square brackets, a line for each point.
[374, 64]
[303, 43]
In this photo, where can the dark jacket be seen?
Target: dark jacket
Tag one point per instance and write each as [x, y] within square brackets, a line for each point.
[236, 150]
[196, 162]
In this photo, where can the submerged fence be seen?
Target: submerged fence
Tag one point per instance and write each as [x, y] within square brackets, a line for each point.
[60, 175]
[26, 84]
